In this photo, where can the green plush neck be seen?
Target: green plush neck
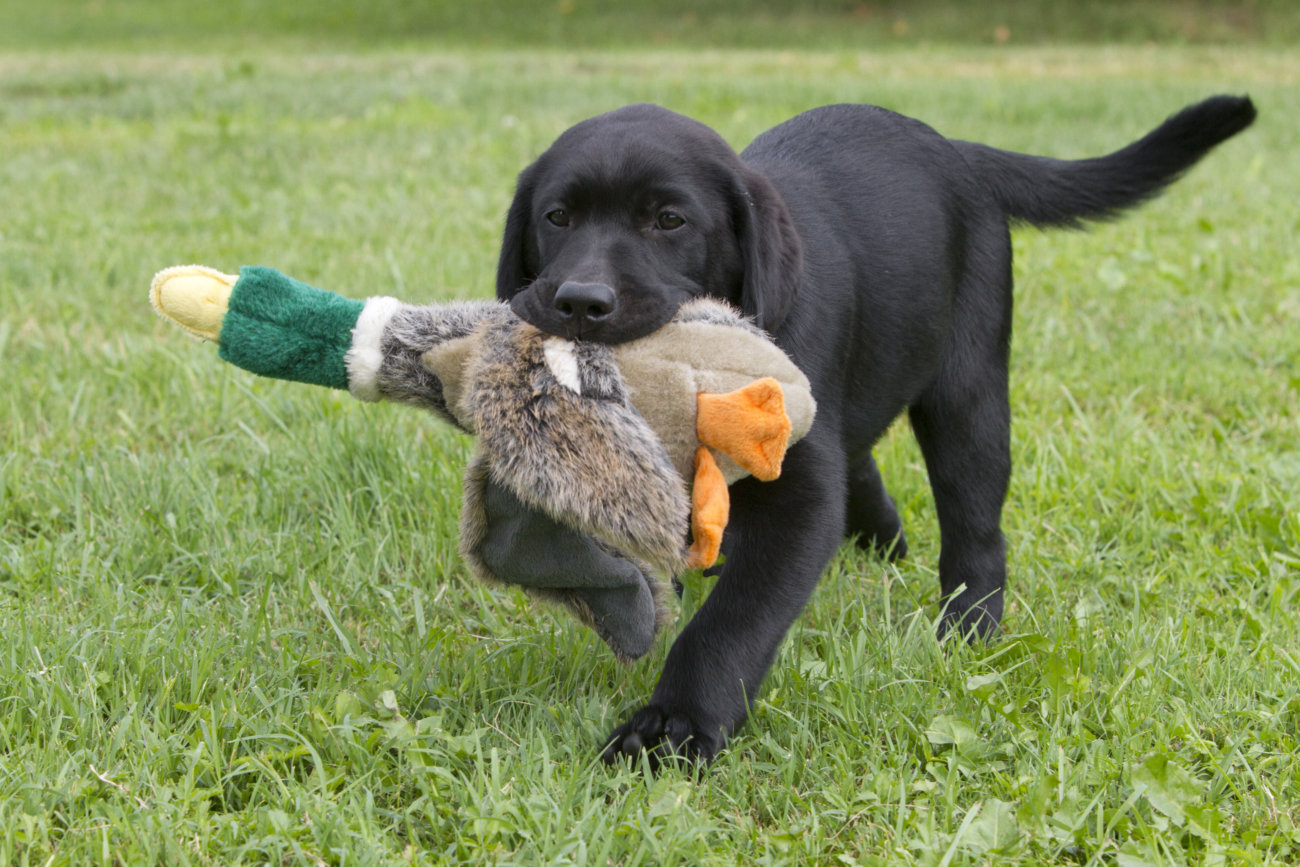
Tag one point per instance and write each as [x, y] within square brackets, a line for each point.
[280, 327]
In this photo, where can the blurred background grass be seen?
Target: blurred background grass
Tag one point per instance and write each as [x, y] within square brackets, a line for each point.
[574, 24]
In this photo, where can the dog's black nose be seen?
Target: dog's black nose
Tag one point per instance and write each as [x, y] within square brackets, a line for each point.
[579, 303]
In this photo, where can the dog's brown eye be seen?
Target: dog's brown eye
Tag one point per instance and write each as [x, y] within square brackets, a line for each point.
[668, 221]
[558, 217]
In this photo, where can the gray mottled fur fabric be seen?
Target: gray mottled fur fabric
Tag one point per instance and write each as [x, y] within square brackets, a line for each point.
[412, 332]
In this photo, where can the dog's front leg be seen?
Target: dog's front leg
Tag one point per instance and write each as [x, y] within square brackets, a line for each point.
[781, 536]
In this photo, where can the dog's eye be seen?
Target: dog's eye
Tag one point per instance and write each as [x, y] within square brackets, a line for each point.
[558, 217]
[668, 221]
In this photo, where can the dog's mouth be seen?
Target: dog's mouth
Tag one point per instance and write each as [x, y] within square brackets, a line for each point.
[591, 312]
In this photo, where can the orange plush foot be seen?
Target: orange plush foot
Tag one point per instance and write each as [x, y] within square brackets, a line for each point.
[710, 508]
[748, 424]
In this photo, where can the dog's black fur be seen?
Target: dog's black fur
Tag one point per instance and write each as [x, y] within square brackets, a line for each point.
[877, 253]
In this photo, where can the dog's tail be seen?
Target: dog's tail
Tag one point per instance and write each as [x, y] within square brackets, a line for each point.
[1050, 192]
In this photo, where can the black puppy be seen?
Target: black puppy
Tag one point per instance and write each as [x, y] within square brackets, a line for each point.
[877, 253]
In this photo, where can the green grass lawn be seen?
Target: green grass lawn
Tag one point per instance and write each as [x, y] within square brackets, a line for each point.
[235, 626]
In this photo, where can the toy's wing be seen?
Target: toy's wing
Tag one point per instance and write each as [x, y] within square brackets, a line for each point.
[504, 540]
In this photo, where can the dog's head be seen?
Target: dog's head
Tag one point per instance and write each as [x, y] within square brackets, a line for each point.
[630, 214]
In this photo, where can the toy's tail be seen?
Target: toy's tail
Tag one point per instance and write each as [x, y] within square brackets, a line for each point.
[1051, 192]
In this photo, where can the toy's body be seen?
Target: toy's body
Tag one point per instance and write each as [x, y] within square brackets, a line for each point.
[578, 488]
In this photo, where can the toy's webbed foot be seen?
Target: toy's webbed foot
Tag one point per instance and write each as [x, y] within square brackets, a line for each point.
[710, 510]
[749, 424]
[194, 297]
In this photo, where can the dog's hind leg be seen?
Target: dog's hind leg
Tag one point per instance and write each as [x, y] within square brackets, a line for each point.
[962, 421]
[965, 440]
[872, 517]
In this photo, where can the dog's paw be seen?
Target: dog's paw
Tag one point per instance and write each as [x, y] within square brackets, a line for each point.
[890, 546]
[665, 737]
[978, 623]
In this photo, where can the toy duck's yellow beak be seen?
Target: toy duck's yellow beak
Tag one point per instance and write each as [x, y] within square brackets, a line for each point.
[194, 297]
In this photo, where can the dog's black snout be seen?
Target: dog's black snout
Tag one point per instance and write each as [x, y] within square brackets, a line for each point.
[585, 301]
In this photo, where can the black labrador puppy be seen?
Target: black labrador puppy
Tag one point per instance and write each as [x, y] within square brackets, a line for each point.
[877, 253]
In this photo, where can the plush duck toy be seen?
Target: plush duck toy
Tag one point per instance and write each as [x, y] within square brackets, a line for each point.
[592, 460]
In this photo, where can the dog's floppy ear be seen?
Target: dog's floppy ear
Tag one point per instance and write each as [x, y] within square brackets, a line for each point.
[517, 265]
[769, 249]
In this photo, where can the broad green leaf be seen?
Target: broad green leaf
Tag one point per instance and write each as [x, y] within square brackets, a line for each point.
[1204, 820]
[1167, 786]
[949, 730]
[1135, 854]
[994, 827]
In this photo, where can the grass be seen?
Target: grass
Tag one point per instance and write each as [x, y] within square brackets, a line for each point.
[236, 630]
[821, 24]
